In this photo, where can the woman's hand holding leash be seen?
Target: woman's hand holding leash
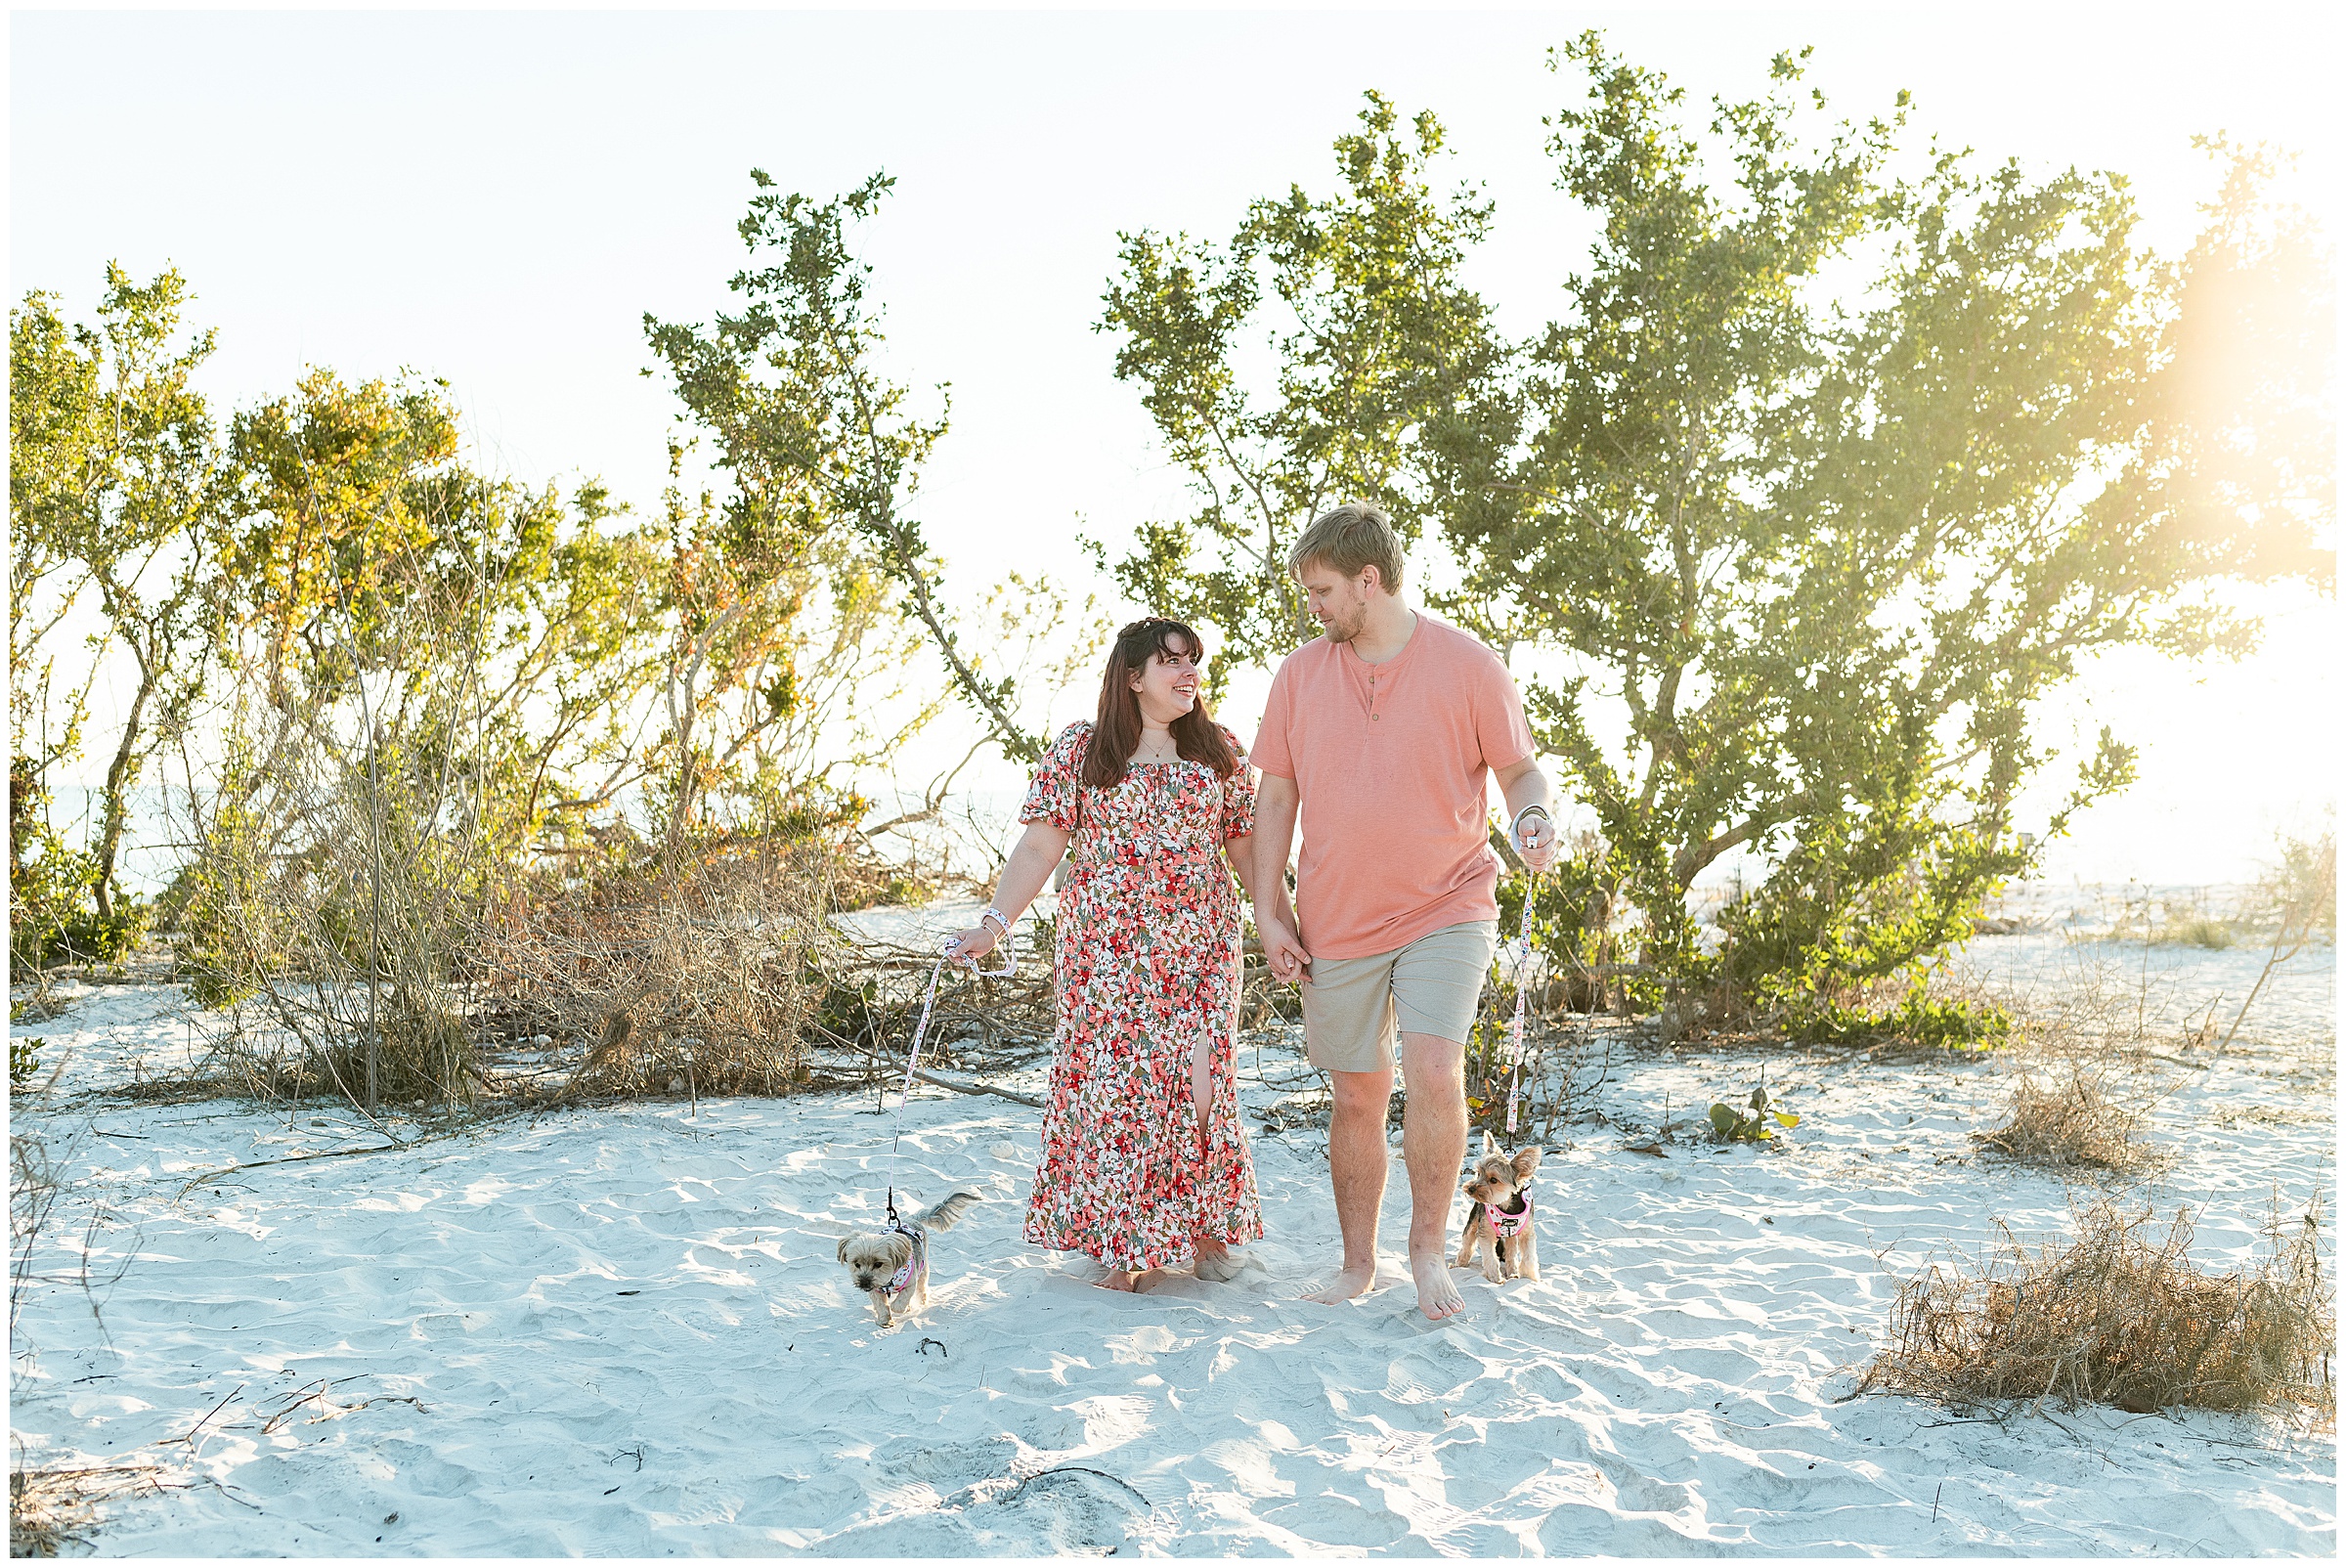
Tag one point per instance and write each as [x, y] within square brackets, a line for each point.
[972, 945]
[967, 948]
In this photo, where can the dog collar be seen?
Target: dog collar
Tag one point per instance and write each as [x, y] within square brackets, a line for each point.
[1503, 1224]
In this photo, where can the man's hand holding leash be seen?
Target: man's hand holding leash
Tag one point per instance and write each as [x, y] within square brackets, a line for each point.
[1531, 822]
[1533, 835]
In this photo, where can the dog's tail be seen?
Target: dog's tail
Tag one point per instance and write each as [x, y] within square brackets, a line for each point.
[944, 1216]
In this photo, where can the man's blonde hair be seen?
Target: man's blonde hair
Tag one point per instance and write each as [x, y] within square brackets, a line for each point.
[1353, 535]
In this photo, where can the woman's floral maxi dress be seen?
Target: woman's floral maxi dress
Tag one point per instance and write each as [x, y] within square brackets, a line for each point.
[1147, 962]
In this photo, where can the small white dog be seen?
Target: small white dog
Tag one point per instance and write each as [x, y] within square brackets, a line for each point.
[891, 1267]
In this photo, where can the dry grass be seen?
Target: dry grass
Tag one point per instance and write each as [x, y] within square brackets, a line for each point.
[2071, 1123]
[707, 980]
[2119, 1317]
[51, 1507]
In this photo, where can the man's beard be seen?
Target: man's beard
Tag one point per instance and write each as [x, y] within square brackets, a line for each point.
[1345, 628]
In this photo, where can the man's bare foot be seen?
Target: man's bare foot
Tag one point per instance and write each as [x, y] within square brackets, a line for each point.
[1353, 1280]
[1437, 1296]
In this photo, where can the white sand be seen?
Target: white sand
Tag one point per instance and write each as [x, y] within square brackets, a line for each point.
[625, 1334]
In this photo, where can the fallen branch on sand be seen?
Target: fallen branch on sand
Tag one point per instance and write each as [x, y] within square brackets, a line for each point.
[1015, 1493]
[976, 1088]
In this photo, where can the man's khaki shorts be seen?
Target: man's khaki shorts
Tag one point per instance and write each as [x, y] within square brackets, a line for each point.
[1354, 1007]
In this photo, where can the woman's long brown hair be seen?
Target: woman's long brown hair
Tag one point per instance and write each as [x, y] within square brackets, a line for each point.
[1116, 732]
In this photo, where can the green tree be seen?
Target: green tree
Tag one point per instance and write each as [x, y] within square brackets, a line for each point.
[384, 595]
[1357, 300]
[817, 443]
[1829, 478]
[55, 375]
[116, 468]
[782, 640]
[333, 485]
[423, 661]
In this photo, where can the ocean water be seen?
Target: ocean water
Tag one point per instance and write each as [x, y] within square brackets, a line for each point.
[2079, 945]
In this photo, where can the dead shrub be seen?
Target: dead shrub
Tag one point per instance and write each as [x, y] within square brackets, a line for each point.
[703, 982]
[421, 1048]
[51, 1507]
[2119, 1317]
[981, 1022]
[2071, 1123]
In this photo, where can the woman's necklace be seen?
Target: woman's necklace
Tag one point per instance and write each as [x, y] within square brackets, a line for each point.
[1156, 746]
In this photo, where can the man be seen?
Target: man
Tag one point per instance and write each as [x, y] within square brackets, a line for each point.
[1381, 733]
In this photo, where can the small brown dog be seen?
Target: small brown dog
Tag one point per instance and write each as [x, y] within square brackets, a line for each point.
[891, 1266]
[1500, 1225]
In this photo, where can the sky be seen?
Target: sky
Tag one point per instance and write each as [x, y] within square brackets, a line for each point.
[498, 199]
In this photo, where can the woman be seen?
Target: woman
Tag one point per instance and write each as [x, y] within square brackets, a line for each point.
[1143, 1162]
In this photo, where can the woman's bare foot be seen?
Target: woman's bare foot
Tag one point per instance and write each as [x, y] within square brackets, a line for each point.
[1353, 1279]
[1437, 1294]
[1216, 1263]
[1118, 1280]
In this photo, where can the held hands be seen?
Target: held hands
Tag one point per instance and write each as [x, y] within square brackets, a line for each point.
[1281, 950]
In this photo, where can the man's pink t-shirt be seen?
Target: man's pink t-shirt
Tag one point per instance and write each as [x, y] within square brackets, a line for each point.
[1389, 760]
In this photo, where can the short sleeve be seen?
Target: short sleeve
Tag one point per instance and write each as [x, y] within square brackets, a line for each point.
[1500, 727]
[1271, 751]
[1055, 794]
[1238, 796]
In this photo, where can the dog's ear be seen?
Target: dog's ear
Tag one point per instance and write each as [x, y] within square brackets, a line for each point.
[1490, 1147]
[899, 1247]
[1527, 1160]
[842, 1247]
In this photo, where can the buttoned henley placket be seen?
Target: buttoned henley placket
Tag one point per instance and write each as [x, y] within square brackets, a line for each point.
[1375, 682]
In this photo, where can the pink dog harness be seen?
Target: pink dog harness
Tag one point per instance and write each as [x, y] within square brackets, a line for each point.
[1503, 1226]
[915, 1265]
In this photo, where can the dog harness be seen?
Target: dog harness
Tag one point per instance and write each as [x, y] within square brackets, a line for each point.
[914, 1266]
[1504, 1225]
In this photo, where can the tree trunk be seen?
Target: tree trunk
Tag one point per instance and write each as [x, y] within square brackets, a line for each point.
[120, 775]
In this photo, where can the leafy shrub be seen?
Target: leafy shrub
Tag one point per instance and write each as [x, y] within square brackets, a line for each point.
[1954, 1024]
[1733, 1127]
[1574, 927]
[1857, 905]
[23, 1058]
[49, 883]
